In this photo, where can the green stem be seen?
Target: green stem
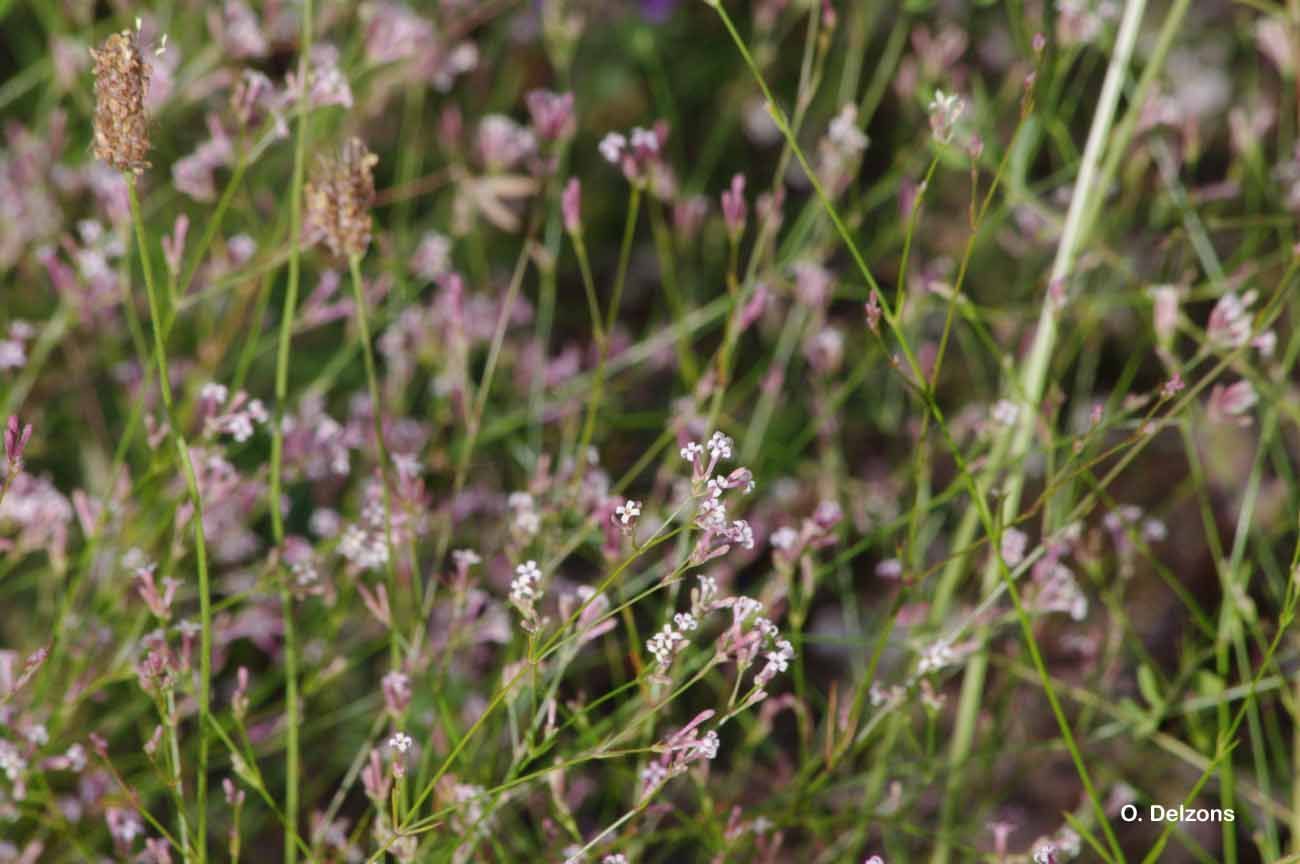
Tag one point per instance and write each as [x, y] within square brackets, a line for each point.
[200, 543]
[603, 333]
[381, 453]
[292, 720]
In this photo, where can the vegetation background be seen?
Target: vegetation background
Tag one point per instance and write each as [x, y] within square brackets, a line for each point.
[798, 430]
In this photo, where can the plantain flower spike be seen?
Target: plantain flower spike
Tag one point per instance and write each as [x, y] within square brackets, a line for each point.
[121, 79]
[338, 200]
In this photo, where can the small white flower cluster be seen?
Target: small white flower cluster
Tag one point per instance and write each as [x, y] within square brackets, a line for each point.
[1119, 521]
[945, 110]
[401, 742]
[1230, 320]
[365, 544]
[365, 548]
[503, 144]
[679, 751]
[1005, 412]
[73, 759]
[937, 655]
[778, 659]
[1014, 544]
[525, 591]
[616, 146]
[614, 858]
[639, 155]
[1057, 591]
[235, 417]
[11, 761]
[668, 642]
[523, 513]
[718, 533]
[816, 532]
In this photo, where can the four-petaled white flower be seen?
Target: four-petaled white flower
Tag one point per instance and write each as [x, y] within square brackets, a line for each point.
[401, 742]
[628, 511]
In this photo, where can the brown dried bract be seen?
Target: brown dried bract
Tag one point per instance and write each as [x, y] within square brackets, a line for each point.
[338, 200]
[121, 80]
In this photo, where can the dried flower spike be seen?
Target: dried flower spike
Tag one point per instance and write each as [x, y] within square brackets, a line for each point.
[338, 200]
[121, 79]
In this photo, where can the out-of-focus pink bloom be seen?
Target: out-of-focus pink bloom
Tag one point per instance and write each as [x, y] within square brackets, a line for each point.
[571, 205]
[552, 114]
[1231, 404]
[734, 210]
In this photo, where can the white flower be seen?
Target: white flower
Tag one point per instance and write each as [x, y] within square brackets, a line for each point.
[365, 549]
[215, 393]
[1013, 546]
[612, 146]
[708, 745]
[685, 621]
[524, 588]
[1229, 324]
[401, 742]
[945, 109]
[466, 558]
[691, 451]
[1005, 412]
[844, 133]
[936, 656]
[741, 533]
[644, 139]
[719, 446]
[743, 607]
[784, 538]
[890, 568]
[653, 775]
[628, 511]
[664, 645]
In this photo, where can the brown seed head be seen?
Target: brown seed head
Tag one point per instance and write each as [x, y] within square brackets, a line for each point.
[121, 79]
[338, 200]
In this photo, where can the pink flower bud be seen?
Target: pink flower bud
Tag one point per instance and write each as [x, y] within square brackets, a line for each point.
[552, 114]
[571, 205]
[174, 245]
[733, 206]
[16, 439]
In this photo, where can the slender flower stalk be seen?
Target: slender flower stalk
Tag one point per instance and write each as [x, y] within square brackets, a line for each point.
[121, 139]
[200, 541]
[620, 277]
[376, 409]
[292, 755]
[1011, 447]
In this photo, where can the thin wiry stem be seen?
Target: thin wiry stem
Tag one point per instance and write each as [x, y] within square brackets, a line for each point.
[292, 769]
[1012, 447]
[196, 501]
[598, 388]
[372, 386]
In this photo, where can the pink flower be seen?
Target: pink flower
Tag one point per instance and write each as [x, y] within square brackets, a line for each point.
[552, 114]
[571, 205]
[1232, 403]
[734, 210]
